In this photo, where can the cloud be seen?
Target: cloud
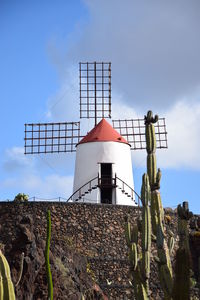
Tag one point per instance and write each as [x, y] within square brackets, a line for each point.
[183, 137]
[49, 186]
[154, 49]
[182, 119]
[64, 105]
[153, 46]
[16, 161]
[36, 175]
[183, 127]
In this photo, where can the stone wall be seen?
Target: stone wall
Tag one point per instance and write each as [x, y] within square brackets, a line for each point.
[96, 231]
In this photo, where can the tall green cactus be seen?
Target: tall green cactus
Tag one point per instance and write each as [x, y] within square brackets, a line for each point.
[141, 262]
[48, 269]
[157, 212]
[154, 222]
[146, 229]
[181, 288]
[6, 285]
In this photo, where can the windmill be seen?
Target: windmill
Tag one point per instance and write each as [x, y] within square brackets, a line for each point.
[103, 170]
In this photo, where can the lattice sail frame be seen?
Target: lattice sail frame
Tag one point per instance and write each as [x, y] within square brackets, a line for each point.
[51, 137]
[95, 90]
[133, 131]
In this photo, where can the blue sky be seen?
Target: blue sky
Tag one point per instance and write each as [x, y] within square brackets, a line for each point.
[154, 48]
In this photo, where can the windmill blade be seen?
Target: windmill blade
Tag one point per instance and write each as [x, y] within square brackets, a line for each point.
[134, 132]
[95, 90]
[51, 137]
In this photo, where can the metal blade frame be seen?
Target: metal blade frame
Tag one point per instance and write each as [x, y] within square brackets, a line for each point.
[51, 137]
[133, 130]
[95, 90]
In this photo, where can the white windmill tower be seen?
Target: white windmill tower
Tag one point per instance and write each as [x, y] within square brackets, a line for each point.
[103, 164]
[103, 170]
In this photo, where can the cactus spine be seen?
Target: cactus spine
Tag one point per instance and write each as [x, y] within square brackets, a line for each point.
[157, 212]
[141, 262]
[6, 285]
[48, 269]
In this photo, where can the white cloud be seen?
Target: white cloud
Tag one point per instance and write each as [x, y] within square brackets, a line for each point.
[36, 175]
[183, 137]
[64, 105]
[15, 160]
[153, 46]
[183, 128]
[45, 187]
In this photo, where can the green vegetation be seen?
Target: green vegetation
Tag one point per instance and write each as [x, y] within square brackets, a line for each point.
[21, 197]
[48, 268]
[6, 285]
[140, 262]
[172, 286]
[21, 269]
[182, 282]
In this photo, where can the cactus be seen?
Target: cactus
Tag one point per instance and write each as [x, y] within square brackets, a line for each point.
[21, 270]
[146, 229]
[157, 212]
[181, 288]
[48, 269]
[151, 169]
[6, 285]
[139, 282]
[128, 232]
[152, 225]
[134, 255]
[164, 264]
[141, 262]
[171, 244]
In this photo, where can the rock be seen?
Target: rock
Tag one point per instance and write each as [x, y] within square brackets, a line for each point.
[81, 234]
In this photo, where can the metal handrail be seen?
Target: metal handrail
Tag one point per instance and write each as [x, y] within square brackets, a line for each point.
[124, 185]
[79, 189]
[128, 186]
[106, 181]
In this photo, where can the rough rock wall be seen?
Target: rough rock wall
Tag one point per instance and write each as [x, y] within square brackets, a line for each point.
[79, 231]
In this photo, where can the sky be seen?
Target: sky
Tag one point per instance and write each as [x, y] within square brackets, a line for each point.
[154, 48]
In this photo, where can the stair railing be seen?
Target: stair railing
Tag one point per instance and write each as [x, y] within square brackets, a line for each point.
[99, 182]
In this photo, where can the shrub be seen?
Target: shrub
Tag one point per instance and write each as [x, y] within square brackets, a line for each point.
[21, 197]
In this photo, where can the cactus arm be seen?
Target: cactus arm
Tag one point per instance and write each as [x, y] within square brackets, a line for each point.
[21, 269]
[1, 287]
[6, 285]
[134, 256]
[128, 232]
[164, 264]
[48, 269]
[171, 244]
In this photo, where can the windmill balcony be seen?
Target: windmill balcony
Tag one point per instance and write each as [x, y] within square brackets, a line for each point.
[106, 182]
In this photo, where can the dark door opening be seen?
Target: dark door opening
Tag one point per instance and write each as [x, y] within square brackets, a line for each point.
[106, 195]
[106, 183]
[106, 170]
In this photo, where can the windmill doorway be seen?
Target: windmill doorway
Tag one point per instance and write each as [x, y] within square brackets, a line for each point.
[106, 183]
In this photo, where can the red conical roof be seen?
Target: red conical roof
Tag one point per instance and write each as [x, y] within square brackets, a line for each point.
[103, 132]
